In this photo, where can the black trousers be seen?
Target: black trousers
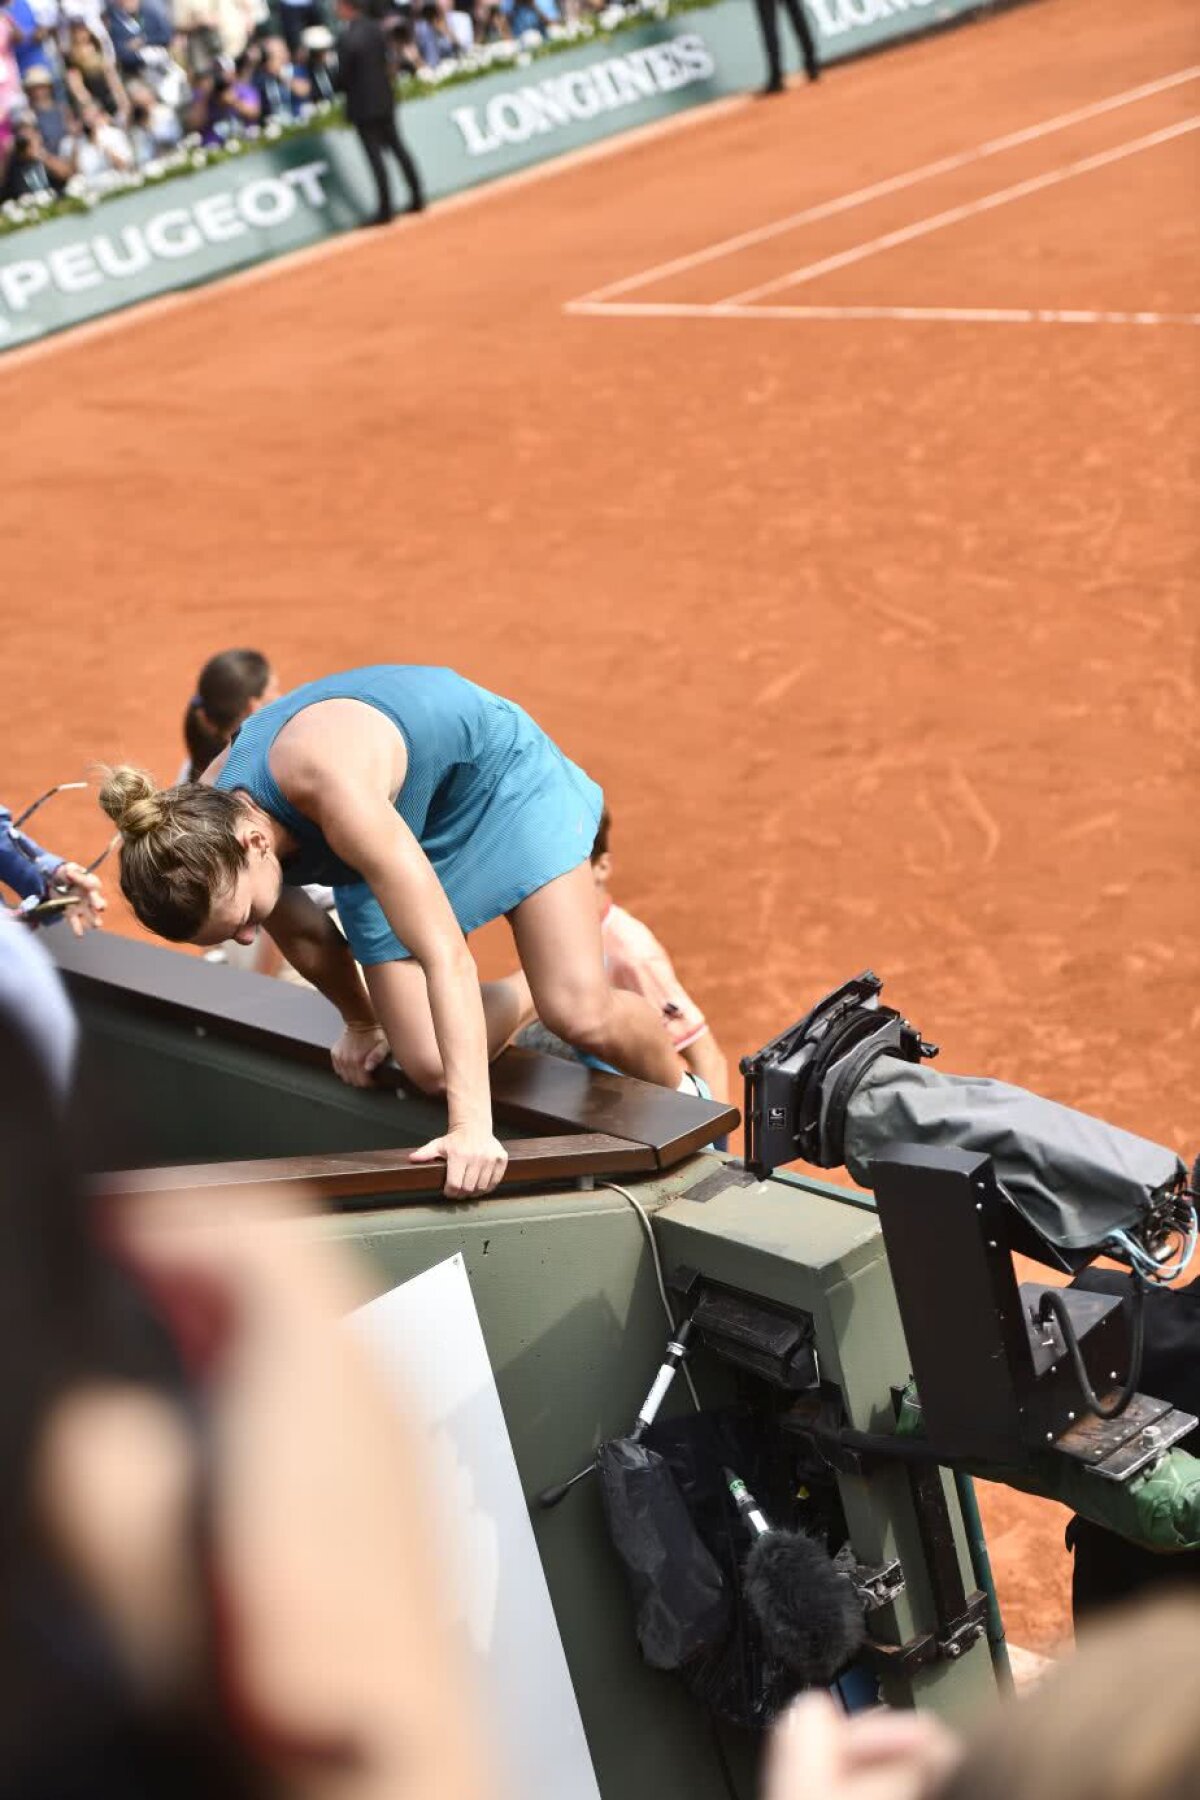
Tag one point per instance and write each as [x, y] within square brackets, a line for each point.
[378, 135]
[768, 19]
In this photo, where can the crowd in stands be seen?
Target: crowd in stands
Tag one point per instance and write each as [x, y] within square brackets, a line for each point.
[95, 93]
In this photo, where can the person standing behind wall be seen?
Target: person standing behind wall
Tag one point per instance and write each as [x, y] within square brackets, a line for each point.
[365, 78]
[768, 19]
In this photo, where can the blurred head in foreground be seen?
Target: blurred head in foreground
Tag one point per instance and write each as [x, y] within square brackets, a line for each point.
[215, 1566]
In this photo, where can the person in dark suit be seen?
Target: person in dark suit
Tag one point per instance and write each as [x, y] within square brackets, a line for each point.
[365, 78]
[768, 19]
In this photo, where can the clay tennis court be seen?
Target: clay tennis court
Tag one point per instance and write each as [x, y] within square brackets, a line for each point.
[820, 474]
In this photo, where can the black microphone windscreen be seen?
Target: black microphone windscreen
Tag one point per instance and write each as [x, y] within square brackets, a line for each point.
[809, 1614]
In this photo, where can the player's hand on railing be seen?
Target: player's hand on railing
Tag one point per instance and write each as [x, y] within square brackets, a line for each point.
[475, 1161]
[72, 882]
[359, 1052]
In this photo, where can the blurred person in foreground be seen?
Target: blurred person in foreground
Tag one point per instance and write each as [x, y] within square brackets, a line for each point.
[365, 79]
[1119, 1720]
[215, 1579]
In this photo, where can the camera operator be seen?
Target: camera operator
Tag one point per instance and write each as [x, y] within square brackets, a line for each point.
[31, 168]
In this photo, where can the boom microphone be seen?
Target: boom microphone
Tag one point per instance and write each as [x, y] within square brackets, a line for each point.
[808, 1611]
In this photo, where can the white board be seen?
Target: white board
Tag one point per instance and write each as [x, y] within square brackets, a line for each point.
[427, 1338]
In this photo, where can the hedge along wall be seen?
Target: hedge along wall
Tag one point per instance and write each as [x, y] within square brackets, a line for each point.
[269, 200]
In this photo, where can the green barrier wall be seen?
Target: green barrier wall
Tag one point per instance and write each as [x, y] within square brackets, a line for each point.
[268, 201]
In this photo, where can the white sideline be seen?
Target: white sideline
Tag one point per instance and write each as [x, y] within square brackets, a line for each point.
[893, 184]
[953, 215]
[954, 315]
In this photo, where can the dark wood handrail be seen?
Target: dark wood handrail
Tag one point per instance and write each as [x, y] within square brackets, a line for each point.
[531, 1091]
[375, 1174]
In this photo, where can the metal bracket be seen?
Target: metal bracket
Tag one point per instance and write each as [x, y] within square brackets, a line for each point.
[950, 1643]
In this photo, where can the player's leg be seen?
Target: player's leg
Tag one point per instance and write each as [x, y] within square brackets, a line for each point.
[400, 997]
[558, 940]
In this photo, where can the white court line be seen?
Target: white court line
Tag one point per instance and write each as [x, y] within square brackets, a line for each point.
[895, 183]
[954, 214]
[957, 315]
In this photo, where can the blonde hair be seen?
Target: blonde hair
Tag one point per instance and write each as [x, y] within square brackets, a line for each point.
[179, 848]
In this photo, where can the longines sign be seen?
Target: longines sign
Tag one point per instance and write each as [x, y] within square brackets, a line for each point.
[236, 213]
[516, 115]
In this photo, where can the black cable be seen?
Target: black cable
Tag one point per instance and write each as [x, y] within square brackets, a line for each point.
[1054, 1306]
[722, 1758]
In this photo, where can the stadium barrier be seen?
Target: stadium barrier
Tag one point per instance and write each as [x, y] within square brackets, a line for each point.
[276, 198]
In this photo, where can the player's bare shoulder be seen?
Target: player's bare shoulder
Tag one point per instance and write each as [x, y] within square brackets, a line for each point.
[338, 743]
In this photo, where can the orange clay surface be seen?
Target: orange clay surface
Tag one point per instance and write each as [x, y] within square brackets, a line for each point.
[878, 633]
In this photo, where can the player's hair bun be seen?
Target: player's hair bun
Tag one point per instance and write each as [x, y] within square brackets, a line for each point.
[133, 802]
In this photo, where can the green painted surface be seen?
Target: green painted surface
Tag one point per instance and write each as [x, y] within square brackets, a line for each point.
[803, 1245]
[265, 202]
[564, 1286]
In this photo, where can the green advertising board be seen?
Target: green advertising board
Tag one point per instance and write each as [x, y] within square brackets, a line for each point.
[267, 200]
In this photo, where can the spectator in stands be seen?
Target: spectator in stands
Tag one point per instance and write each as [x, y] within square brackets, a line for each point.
[136, 26]
[10, 74]
[636, 961]
[99, 149]
[296, 17]
[491, 22]
[33, 37]
[314, 63]
[434, 39]
[154, 127]
[530, 15]
[223, 102]
[365, 78]
[282, 89]
[92, 73]
[28, 166]
[200, 42]
[48, 114]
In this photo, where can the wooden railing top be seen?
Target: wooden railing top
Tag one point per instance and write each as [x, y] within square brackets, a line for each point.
[533, 1092]
[387, 1174]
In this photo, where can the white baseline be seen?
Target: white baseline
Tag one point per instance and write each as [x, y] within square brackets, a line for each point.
[891, 184]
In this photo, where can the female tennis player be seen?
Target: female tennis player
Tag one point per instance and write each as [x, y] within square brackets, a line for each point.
[430, 806]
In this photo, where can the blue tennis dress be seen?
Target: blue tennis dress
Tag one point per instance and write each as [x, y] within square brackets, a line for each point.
[495, 805]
